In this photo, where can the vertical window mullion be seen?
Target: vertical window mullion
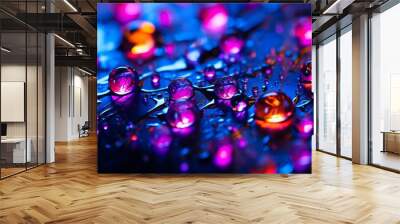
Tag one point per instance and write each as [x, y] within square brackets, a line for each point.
[338, 78]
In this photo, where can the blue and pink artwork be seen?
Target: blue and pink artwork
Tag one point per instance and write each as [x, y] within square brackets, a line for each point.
[204, 88]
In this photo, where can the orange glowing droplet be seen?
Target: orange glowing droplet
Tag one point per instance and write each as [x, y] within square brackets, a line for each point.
[147, 27]
[139, 37]
[276, 118]
[141, 40]
[143, 47]
[274, 111]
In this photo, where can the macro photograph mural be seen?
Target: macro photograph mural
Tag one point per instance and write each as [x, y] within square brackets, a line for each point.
[204, 88]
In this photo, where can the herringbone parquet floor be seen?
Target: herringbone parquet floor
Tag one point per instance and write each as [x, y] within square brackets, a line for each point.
[71, 191]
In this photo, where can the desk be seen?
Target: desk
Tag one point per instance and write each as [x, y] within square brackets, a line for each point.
[391, 141]
[16, 147]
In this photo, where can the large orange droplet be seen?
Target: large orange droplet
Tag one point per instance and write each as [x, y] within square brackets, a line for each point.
[274, 111]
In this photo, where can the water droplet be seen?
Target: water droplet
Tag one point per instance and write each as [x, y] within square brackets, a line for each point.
[123, 80]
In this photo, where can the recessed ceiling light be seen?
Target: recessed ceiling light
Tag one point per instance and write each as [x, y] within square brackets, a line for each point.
[70, 5]
[337, 7]
[330, 7]
[5, 50]
[64, 40]
[84, 71]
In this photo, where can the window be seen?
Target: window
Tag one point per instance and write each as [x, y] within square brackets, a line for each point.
[327, 95]
[385, 89]
[346, 93]
[22, 77]
[314, 89]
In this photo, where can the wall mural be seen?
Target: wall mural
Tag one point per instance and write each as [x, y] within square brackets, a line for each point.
[204, 88]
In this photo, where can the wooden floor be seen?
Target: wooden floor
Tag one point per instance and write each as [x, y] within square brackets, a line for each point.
[5, 172]
[71, 191]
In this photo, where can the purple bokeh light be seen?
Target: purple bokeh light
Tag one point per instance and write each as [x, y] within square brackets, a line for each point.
[165, 18]
[160, 138]
[223, 156]
[214, 18]
[184, 167]
[155, 80]
[232, 45]
[126, 12]
[303, 31]
[305, 127]
[209, 73]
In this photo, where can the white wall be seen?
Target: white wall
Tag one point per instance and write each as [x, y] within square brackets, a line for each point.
[33, 127]
[71, 102]
[16, 73]
[80, 110]
[61, 103]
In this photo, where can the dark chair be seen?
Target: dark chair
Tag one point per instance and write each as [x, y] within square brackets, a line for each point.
[84, 130]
